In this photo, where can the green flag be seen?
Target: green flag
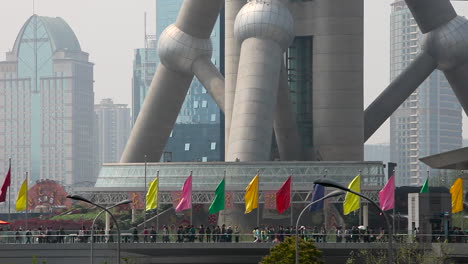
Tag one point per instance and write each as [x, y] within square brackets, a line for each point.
[218, 202]
[425, 187]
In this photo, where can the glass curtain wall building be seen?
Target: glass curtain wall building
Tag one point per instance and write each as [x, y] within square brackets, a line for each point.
[430, 120]
[46, 109]
[198, 134]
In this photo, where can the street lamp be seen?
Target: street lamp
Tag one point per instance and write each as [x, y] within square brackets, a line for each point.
[94, 220]
[329, 183]
[79, 198]
[330, 195]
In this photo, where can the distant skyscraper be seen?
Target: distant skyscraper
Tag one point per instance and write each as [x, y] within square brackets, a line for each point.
[430, 120]
[46, 106]
[198, 134]
[113, 122]
[144, 66]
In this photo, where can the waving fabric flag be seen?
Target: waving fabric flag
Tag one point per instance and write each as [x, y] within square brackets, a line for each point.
[186, 196]
[218, 202]
[319, 192]
[6, 184]
[283, 196]
[387, 195]
[152, 195]
[251, 195]
[457, 195]
[352, 202]
[22, 196]
[425, 187]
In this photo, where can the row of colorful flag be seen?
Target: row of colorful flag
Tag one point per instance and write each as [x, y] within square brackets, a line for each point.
[21, 199]
[351, 202]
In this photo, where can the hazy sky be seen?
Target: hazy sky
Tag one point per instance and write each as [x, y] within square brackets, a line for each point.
[110, 30]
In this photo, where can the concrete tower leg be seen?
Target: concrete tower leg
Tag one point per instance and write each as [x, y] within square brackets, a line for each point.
[265, 30]
[458, 79]
[179, 46]
[285, 125]
[231, 62]
[397, 92]
[338, 80]
[211, 78]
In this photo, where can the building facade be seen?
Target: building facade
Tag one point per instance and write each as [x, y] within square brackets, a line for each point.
[198, 134]
[113, 128]
[430, 120]
[46, 106]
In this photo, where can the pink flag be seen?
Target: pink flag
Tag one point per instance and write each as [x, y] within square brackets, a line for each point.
[387, 195]
[186, 196]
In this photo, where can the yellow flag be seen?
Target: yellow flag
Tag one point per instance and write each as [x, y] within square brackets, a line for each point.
[22, 197]
[251, 195]
[457, 195]
[352, 201]
[152, 195]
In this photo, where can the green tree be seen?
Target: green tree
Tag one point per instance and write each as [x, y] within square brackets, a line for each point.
[284, 253]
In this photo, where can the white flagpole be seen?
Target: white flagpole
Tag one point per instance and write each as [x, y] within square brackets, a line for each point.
[9, 192]
[191, 201]
[27, 183]
[394, 204]
[157, 205]
[144, 209]
[291, 198]
[258, 202]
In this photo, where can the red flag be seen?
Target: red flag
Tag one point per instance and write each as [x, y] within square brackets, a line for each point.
[283, 196]
[6, 184]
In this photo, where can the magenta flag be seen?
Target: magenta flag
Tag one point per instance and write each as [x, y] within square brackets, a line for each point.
[387, 195]
[186, 196]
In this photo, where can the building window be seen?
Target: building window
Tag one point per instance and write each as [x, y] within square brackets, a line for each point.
[204, 103]
[204, 159]
[213, 118]
[171, 134]
[187, 146]
[195, 104]
[213, 145]
[203, 90]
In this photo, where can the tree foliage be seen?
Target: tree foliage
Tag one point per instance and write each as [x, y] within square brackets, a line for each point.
[284, 253]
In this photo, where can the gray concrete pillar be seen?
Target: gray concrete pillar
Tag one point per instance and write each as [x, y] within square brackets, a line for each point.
[365, 215]
[211, 78]
[231, 62]
[338, 133]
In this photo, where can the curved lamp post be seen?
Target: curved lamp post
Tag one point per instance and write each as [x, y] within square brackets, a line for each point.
[94, 220]
[330, 195]
[329, 183]
[79, 198]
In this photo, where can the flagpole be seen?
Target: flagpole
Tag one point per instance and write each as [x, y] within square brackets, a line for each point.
[9, 192]
[27, 183]
[394, 204]
[258, 204]
[144, 210]
[360, 203]
[157, 204]
[324, 209]
[224, 215]
[291, 198]
[191, 201]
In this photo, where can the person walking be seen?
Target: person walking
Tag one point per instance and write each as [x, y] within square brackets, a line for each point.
[236, 233]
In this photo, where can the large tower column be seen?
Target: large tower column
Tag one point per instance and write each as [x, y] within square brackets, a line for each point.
[265, 29]
[338, 80]
[231, 57]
